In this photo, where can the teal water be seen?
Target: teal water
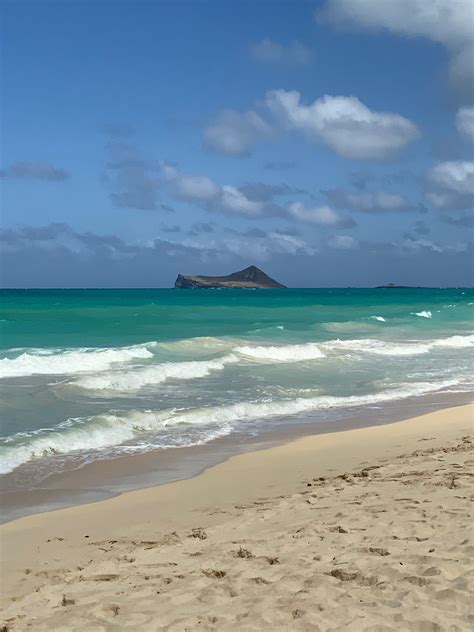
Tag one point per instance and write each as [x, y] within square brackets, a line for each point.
[93, 374]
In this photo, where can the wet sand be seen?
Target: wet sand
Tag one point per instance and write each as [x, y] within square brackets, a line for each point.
[22, 495]
[363, 529]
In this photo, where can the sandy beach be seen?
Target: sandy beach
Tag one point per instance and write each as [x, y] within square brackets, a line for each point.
[366, 529]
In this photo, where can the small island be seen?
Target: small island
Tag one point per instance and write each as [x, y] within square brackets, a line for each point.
[394, 286]
[251, 277]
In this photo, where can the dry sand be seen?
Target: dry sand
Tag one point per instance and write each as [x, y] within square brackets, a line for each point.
[366, 529]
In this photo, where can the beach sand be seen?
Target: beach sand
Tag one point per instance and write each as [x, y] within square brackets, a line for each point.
[366, 529]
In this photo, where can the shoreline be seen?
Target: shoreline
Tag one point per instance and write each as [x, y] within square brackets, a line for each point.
[105, 479]
[176, 544]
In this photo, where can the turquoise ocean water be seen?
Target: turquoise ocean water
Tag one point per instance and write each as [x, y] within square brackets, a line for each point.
[95, 374]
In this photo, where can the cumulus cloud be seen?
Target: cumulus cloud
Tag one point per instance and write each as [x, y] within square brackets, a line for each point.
[450, 185]
[254, 200]
[188, 187]
[465, 121]
[269, 51]
[214, 197]
[234, 201]
[448, 22]
[235, 133]
[320, 215]
[34, 171]
[367, 201]
[345, 124]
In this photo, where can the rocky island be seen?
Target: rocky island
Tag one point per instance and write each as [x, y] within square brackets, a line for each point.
[251, 277]
[394, 286]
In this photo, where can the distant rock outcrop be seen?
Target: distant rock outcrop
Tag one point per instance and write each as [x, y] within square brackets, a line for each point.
[251, 277]
[393, 286]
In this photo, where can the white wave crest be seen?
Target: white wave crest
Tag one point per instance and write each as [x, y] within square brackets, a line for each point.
[423, 314]
[455, 341]
[96, 433]
[284, 353]
[380, 347]
[379, 318]
[70, 361]
[130, 380]
[113, 429]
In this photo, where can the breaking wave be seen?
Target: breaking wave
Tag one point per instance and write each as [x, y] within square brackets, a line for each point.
[135, 379]
[381, 347]
[39, 362]
[284, 353]
[102, 431]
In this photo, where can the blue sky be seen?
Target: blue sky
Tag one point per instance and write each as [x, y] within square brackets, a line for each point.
[330, 143]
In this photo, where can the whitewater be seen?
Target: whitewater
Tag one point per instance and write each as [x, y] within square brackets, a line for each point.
[115, 373]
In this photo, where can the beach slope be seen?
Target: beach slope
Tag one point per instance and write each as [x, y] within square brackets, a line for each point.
[367, 529]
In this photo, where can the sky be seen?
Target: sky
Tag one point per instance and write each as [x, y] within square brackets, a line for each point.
[328, 142]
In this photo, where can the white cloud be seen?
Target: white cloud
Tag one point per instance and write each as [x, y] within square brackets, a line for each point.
[455, 175]
[465, 122]
[367, 201]
[448, 22]
[235, 133]
[235, 201]
[205, 192]
[451, 184]
[343, 242]
[190, 188]
[321, 215]
[345, 124]
[269, 51]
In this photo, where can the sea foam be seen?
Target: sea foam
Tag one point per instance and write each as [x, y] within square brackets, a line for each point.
[37, 362]
[283, 353]
[112, 429]
[134, 379]
[381, 347]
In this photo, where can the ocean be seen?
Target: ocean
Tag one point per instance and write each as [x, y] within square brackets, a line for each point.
[89, 375]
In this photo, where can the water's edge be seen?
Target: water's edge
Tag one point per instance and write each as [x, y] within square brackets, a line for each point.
[101, 480]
